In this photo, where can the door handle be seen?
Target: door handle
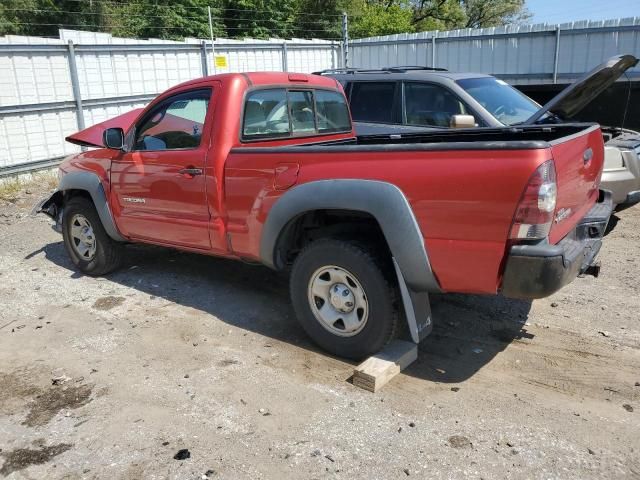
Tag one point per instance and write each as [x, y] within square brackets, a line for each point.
[190, 171]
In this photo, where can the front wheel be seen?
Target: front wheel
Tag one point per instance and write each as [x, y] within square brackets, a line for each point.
[89, 246]
[342, 298]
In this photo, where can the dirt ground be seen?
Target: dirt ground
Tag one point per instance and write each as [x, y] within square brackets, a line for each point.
[111, 378]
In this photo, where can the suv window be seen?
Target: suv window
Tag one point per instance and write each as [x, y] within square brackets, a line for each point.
[373, 101]
[278, 112]
[175, 123]
[430, 104]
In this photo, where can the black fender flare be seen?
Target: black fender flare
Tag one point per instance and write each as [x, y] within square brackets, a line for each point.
[384, 201]
[90, 183]
[391, 209]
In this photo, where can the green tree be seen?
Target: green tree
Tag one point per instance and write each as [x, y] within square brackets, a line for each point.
[45, 17]
[320, 18]
[370, 18]
[451, 14]
[165, 19]
[491, 13]
[176, 19]
[261, 18]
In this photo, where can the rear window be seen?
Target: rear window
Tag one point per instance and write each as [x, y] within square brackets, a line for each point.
[278, 113]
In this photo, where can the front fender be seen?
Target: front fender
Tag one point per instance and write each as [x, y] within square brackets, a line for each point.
[90, 183]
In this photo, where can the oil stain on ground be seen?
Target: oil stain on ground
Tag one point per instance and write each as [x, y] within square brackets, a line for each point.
[107, 303]
[46, 405]
[22, 458]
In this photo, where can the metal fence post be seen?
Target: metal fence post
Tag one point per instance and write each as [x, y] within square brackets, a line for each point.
[433, 49]
[75, 85]
[556, 56]
[345, 39]
[285, 65]
[203, 58]
[333, 55]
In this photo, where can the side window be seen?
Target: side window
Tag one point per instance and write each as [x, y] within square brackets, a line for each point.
[431, 105]
[266, 114]
[176, 123]
[278, 112]
[332, 114]
[372, 101]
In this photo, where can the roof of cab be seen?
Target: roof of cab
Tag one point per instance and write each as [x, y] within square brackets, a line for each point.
[267, 78]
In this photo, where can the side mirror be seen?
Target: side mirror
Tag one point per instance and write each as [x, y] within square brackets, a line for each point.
[113, 138]
[463, 121]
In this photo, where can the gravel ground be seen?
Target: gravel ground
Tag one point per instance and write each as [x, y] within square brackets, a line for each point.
[118, 377]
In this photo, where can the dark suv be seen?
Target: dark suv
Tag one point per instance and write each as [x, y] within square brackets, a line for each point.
[431, 97]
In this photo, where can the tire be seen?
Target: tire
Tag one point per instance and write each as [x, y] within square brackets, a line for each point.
[367, 327]
[104, 255]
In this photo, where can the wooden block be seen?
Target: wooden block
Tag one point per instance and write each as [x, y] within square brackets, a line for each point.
[377, 370]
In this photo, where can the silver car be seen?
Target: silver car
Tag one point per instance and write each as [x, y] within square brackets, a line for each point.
[621, 172]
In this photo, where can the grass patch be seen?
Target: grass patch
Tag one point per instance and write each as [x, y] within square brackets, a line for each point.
[10, 190]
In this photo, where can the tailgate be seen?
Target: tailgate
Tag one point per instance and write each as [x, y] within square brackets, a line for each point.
[579, 160]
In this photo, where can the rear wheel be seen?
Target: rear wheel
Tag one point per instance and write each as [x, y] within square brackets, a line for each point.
[342, 298]
[89, 246]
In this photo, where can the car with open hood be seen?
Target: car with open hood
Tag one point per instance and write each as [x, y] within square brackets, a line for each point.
[405, 100]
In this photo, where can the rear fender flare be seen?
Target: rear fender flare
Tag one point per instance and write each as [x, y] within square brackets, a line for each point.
[90, 183]
[384, 201]
[391, 209]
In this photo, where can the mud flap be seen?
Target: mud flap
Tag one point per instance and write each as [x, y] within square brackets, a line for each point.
[417, 308]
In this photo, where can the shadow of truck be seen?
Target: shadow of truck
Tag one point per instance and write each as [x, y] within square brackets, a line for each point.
[469, 330]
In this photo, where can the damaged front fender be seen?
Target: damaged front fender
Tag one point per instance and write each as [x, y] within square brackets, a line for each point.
[51, 206]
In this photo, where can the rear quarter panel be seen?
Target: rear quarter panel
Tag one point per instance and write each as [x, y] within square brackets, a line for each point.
[464, 201]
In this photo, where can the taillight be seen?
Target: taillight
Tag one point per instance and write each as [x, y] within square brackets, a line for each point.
[534, 215]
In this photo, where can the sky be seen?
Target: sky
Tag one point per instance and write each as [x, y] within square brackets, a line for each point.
[562, 11]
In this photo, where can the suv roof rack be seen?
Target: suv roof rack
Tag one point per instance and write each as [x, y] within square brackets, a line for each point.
[398, 69]
[347, 70]
[404, 68]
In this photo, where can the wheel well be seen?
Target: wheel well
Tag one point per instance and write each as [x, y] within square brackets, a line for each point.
[74, 192]
[313, 225]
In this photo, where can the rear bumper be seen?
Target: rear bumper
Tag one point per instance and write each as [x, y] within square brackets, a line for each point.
[537, 271]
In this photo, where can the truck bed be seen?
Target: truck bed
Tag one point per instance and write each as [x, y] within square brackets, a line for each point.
[536, 133]
[463, 186]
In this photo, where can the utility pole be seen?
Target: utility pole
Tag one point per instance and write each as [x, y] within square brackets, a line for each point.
[213, 47]
[345, 40]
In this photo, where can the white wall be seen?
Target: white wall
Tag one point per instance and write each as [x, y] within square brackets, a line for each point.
[526, 57]
[31, 75]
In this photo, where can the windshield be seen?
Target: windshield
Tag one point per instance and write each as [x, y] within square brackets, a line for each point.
[500, 99]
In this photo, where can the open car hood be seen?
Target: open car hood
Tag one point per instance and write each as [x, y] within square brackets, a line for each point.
[92, 136]
[578, 95]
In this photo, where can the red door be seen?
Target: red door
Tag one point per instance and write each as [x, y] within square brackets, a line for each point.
[160, 184]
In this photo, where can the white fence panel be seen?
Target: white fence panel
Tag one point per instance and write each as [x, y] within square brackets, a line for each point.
[517, 53]
[37, 104]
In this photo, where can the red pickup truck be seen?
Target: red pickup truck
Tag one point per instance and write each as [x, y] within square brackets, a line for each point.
[266, 167]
